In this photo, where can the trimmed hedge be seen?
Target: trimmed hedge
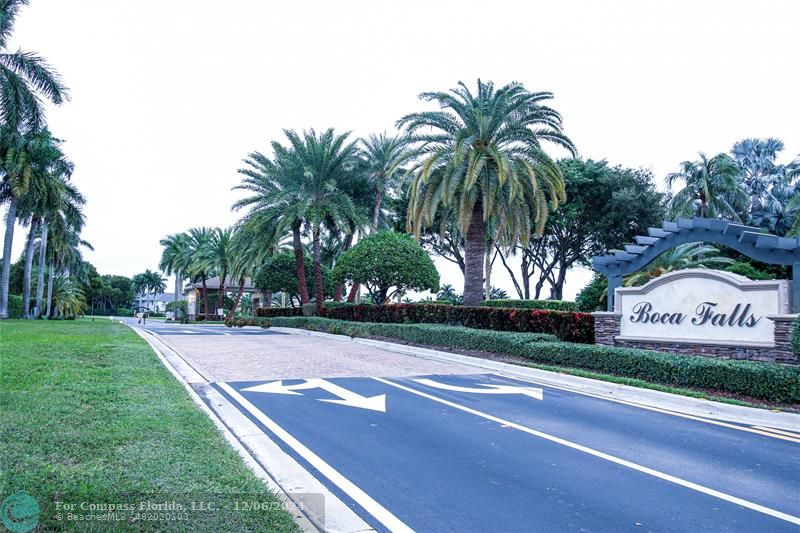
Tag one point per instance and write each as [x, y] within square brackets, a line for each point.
[14, 306]
[268, 312]
[547, 305]
[572, 327]
[241, 322]
[796, 337]
[768, 381]
[448, 336]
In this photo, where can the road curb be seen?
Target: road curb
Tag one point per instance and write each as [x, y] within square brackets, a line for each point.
[282, 474]
[645, 398]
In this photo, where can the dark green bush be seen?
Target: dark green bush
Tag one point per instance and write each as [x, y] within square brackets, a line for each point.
[267, 312]
[123, 312]
[241, 322]
[771, 382]
[435, 334]
[547, 305]
[14, 306]
[796, 337]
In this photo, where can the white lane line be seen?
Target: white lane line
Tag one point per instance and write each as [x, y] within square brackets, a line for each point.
[795, 436]
[151, 332]
[602, 455]
[758, 430]
[348, 487]
[188, 331]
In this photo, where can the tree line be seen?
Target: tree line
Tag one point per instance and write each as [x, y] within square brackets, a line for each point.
[35, 182]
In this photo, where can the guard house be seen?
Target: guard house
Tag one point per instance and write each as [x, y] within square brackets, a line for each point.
[195, 298]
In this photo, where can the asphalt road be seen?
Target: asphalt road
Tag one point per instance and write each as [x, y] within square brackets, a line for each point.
[447, 456]
[482, 452]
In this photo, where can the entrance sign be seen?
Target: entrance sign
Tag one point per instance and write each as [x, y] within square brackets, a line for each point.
[702, 306]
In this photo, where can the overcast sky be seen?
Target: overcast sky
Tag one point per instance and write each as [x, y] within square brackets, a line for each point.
[168, 96]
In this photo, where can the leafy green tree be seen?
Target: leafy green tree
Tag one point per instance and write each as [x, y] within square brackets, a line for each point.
[278, 274]
[711, 188]
[593, 296]
[607, 206]
[385, 260]
[484, 162]
[770, 186]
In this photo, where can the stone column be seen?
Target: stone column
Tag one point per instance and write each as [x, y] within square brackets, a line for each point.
[606, 327]
[784, 324]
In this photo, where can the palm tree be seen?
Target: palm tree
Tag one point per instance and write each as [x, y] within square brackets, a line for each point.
[23, 160]
[197, 268]
[277, 205]
[217, 257]
[156, 284]
[63, 252]
[688, 255]
[712, 188]
[303, 186]
[385, 157]
[175, 259]
[248, 253]
[67, 295]
[24, 78]
[483, 159]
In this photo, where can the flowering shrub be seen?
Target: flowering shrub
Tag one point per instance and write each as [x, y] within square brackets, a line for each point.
[547, 305]
[573, 327]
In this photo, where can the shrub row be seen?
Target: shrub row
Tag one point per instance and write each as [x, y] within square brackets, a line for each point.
[241, 322]
[547, 305]
[448, 336]
[573, 327]
[768, 381]
[267, 312]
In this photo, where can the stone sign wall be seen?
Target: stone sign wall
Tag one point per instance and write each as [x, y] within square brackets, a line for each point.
[699, 311]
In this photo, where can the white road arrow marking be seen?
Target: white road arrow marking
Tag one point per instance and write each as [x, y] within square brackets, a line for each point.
[347, 397]
[533, 392]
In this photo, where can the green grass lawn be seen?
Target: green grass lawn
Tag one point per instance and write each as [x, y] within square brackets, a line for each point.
[89, 414]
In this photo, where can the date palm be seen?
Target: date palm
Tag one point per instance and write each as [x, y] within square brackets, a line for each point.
[197, 268]
[483, 161]
[175, 259]
[25, 78]
[277, 203]
[384, 157]
[303, 187]
[711, 188]
[217, 256]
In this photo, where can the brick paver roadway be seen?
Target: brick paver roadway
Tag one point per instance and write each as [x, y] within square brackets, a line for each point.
[240, 357]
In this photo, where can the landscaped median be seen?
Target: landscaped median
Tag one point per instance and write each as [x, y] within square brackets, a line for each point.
[771, 382]
[91, 418]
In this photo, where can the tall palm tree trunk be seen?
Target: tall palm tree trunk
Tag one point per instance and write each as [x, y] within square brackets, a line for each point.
[40, 279]
[317, 269]
[338, 292]
[221, 294]
[376, 210]
[238, 298]
[300, 263]
[487, 268]
[474, 252]
[178, 287]
[205, 297]
[5, 274]
[26, 275]
[50, 275]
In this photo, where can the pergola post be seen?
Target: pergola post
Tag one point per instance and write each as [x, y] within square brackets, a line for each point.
[614, 281]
